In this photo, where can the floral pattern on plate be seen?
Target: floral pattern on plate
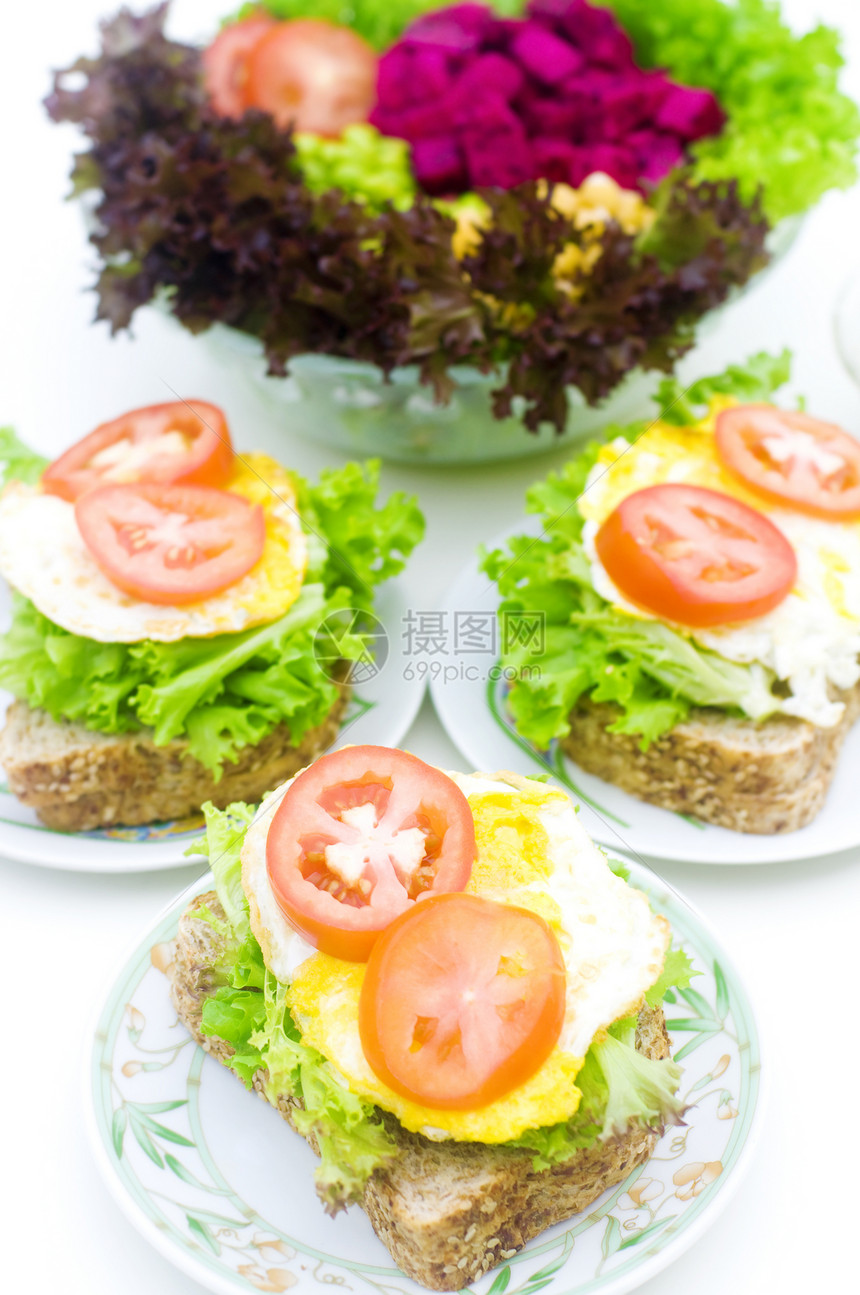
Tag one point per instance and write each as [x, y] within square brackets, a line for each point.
[222, 1186]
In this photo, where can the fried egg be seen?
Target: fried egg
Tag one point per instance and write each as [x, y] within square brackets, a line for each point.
[811, 641]
[532, 853]
[44, 557]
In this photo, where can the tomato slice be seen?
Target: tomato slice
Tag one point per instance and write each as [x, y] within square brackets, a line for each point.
[171, 544]
[313, 76]
[696, 556]
[791, 458]
[225, 64]
[358, 838]
[186, 441]
[462, 1001]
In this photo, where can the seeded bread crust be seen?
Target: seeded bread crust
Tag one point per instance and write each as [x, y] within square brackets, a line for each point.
[77, 780]
[762, 778]
[447, 1212]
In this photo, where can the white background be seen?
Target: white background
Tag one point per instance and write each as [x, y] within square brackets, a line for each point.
[793, 928]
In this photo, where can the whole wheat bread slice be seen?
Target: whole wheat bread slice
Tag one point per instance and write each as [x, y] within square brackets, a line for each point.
[763, 778]
[447, 1212]
[76, 779]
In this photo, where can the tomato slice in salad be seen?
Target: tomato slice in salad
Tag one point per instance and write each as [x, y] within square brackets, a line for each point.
[360, 837]
[171, 544]
[462, 1001]
[187, 441]
[313, 76]
[225, 64]
[791, 458]
[696, 556]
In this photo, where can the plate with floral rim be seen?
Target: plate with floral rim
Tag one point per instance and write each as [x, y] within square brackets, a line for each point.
[385, 700]
[221, 1186]
[470, 694]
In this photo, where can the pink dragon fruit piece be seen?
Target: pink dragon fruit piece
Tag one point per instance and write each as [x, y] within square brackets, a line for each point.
[439, 165]
[552, 117]
[625, 104]
[409, 75]
[497, 152]
[555, 159]
[433, 117]
[544, 56]
[690, 113]
[619, 163]
[597, 33]
[656, 153]
[458, 27]
[492, 74]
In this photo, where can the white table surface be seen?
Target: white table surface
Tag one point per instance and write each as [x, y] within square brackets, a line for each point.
[793, 928]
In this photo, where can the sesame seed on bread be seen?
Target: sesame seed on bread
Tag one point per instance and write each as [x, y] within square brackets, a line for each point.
[761, 777]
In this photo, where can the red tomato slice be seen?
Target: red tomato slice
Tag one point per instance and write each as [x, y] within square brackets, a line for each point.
[696, 556]
[225, 64]
[313, 76]
[792, 459]
[463, 1000]
[171, 544]
[358, 838]
[187, 441]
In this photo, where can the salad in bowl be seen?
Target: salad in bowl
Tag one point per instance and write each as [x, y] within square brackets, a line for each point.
[460, 230]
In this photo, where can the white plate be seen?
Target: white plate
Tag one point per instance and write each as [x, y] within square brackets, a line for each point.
[380, 711]
[221, 1186]
[471, 704]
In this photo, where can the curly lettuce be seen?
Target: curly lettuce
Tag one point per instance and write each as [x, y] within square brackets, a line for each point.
[652, 674]
[229, 691]
[790, 131]
[249, 1011]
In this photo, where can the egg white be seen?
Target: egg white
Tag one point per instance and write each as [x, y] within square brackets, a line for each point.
[613, 948]
[44, 557]
[811, 641]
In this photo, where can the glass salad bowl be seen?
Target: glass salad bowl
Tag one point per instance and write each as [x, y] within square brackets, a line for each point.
[350, 405]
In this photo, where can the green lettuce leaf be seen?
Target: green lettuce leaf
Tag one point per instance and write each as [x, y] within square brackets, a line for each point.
[639, 1089]
[677, 973]
[249, 1012]
[222, 844]
[652, 673]
[231, 690]
[17, 461]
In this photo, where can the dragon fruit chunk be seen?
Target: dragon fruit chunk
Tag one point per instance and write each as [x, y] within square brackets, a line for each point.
[619, 163]
[656, 153]
[690, 113]
[554, 159]
[497, 152]
[598, 34]
[544, 56]
[439, 165]
[491, 73]
[460, 27]
[410, 75]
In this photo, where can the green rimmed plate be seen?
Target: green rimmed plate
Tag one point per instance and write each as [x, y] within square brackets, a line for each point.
[470, 694]
[221, 1186]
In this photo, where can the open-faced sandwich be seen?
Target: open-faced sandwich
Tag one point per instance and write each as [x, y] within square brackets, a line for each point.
[439, 981]
[700, 582]
[168, 597]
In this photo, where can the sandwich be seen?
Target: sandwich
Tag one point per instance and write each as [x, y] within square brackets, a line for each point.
[440, 982]
[183, 616]
[697, 579]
